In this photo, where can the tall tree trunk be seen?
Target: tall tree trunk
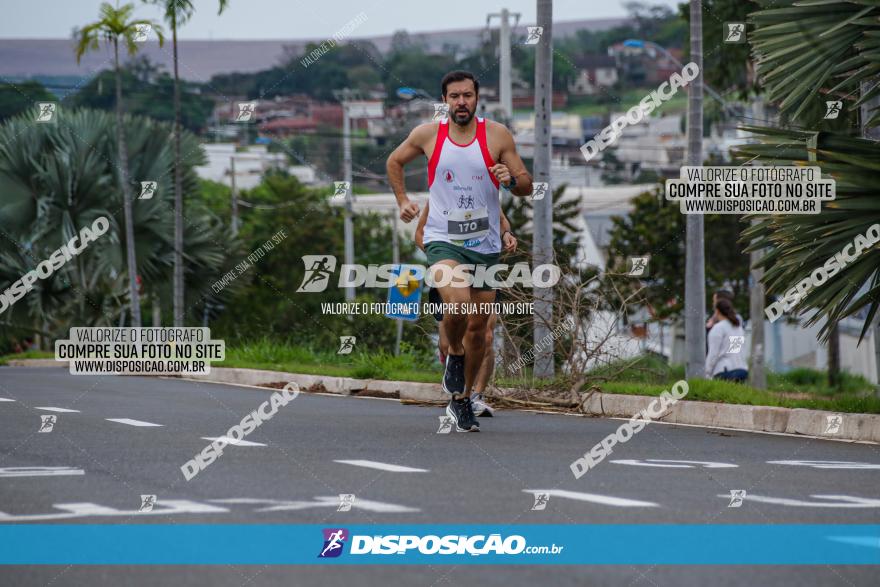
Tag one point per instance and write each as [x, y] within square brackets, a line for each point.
[834, 357]
[874, 134]
[757, 368]
[126, 198]
[178, 192]
[695, 270]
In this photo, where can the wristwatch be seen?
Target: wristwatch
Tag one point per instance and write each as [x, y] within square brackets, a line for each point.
[511, 185]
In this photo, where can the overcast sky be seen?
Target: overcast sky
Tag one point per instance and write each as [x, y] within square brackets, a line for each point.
[292, 19]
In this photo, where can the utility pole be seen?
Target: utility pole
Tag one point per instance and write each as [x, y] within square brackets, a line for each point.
[395, 258]
[695, 270]
[234, 196]
[505, 92]
[542, 211]
[345, 96]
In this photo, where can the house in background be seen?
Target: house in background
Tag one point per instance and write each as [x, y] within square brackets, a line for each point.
[595, 74]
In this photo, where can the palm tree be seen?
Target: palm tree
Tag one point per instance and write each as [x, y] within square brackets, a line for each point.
[115, 25]
[55, 179]
[807, 53]
[177, 12]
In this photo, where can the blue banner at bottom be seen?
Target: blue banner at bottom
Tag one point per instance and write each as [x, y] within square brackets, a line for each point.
[278, 544]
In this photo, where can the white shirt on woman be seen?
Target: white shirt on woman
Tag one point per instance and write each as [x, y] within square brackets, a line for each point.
[721, 345]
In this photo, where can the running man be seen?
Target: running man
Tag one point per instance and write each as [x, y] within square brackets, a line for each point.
[481, 408]
[469, 158]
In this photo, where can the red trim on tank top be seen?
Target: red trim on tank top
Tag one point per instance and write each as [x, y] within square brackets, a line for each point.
[467, 145]
[484, 149]
[442, 133]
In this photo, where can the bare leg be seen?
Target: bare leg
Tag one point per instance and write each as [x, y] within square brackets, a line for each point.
[475, 337]
[454, 323]
[488, 365]
[443, 340]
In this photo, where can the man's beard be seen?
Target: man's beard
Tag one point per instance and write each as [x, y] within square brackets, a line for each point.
[463, 121]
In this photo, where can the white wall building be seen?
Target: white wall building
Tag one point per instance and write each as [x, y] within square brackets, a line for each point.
[250, 165]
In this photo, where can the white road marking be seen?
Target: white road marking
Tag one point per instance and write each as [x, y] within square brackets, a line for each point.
[84, 509]
[828, 464]
[594, 498]
[131, 422]
[832, 501]
[382, 466]
[59, 410]
[274, 505]
[39, 471]
[6, 399]
[229, 440]
[664, 463]
[869, 541]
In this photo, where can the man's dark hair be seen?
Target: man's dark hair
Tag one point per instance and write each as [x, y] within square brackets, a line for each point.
[724, 294]
[458, 76]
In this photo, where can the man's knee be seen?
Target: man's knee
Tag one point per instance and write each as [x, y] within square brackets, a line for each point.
[489, 337]
[477, 324]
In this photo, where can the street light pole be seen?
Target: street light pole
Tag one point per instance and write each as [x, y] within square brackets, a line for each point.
[695, 278]
[345, 96]
[542, 210]
[349, 211]
[234, 194]
[505, 92]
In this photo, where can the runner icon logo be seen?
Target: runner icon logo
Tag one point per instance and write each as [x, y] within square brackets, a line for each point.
[47, 423]
[340, 189]
[541, 500]
[319, 268]
[246, 111]
[147, 503]
[445, 425]
[539, 190]
[735, 32]
[346, 500]
[346, 345]
[832, 423]
[334, 540]
[142, 32]
[832, 109]
[638, 266]
[148, 190]
[735, 343]
[46, 111]
[535, 33]
[736, 498]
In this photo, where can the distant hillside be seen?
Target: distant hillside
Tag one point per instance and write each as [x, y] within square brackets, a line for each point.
[199, 60]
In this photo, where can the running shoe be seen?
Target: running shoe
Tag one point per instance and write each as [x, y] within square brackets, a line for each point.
[462, 412]
[481, 408]
[453, 374]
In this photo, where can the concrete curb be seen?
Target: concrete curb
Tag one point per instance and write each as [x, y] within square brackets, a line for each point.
[856, 427]
[403, 390]
[36, 363]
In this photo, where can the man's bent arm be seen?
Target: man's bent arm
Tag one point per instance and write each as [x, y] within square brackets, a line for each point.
[514, 163]
[505, 224]
[407, 151]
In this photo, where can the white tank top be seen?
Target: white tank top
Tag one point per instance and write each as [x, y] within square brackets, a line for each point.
[464, 206]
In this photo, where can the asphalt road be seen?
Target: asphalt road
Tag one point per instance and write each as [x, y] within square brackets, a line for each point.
[91, 469]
